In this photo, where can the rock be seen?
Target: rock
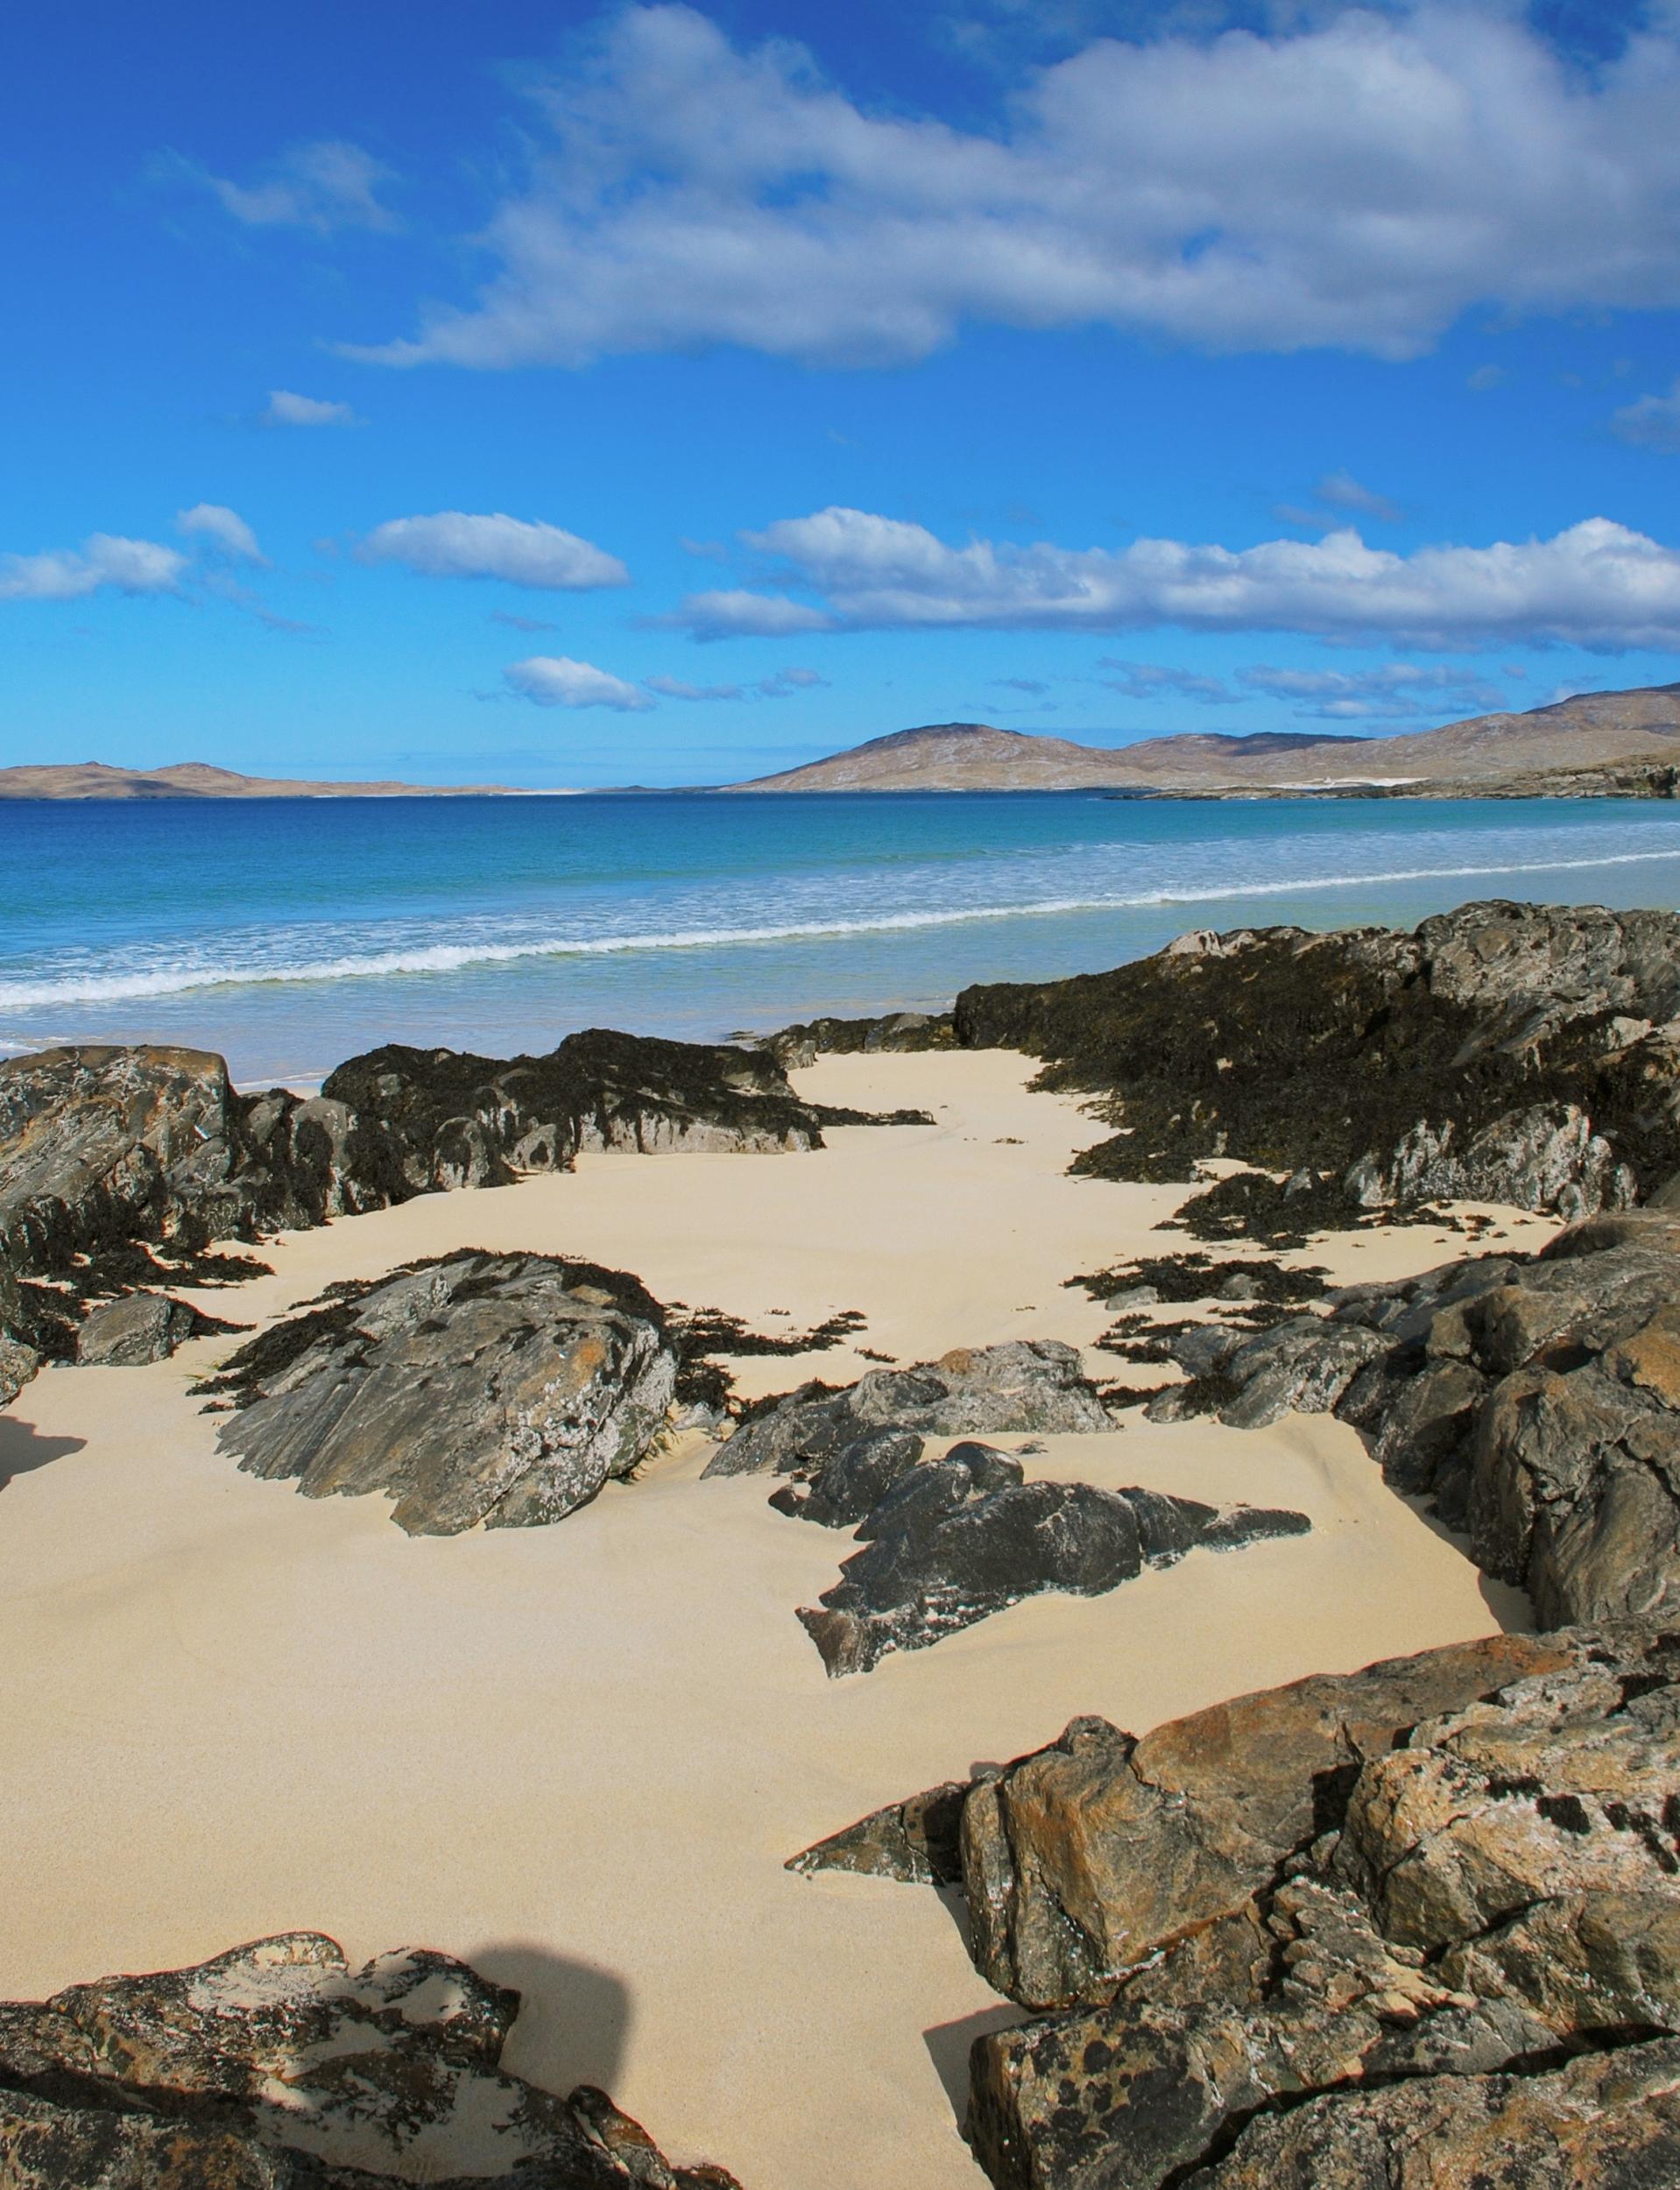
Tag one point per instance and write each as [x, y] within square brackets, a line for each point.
[1537, 1401]
[101, 1148]
[955, 1540]
[278, 2066]
[1517, 1053]
[1610, 2121]
[424, 1119]
[843, 1489]
[1025, 1384]
[133, 1329]
[916, 1841]
[500, 1389]
[18, 1364]
[1471, 1896]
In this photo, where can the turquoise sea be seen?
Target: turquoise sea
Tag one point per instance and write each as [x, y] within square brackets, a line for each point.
[290, 934]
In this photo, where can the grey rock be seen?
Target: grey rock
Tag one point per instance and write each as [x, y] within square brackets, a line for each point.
[500, 1389]
[955, 1540]
[843, 1490]
[985, 1391]
[18, 1364]
[134, 1328]
[1537, 1401]
[916, 1841]
[279, 2066]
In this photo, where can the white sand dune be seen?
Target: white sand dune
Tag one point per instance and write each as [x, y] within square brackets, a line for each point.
[578, 1756]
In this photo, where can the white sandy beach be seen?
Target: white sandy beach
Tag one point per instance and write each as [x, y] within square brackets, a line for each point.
[578, 1756]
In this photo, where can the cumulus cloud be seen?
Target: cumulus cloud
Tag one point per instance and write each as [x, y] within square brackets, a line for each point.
[224, 529]
[453, 545]
[1357, 181]
[556, 681]
[285, 408]
[1651, 422]
[771, 687]
[322, 185]
[103, 560]
[1597, 584]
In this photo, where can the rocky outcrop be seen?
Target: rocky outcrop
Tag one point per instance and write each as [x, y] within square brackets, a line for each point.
[1537, 1403]
[1525, 1054]
[428, 1119]
[955, 1540]
[103, 1151]
[136, 1328]
[278, 2066]
[500, 1389]
[1388, 1904]
[1031, 1384]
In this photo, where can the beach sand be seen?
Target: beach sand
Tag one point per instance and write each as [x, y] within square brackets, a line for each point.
[579, 1756]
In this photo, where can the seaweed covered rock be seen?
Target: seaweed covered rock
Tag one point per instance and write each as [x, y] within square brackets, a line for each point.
[1031, 1384]
[793, 1048]
[279, 2066]
[101, 1148]
[954, 1540]
[500, 1389]
[1536, 1402]
[1516, 1053]
[429, 1118]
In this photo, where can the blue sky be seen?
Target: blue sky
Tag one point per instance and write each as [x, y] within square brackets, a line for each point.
[555, 395]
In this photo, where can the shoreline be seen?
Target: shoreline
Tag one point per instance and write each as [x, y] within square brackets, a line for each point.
[578, 1756]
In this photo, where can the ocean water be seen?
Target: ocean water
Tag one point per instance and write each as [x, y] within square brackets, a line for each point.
[291, 934]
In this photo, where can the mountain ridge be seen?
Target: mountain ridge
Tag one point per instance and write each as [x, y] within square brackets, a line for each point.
[1591, 729]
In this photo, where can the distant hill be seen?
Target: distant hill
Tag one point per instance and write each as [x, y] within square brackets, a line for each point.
[197, 778]
[1595, 729]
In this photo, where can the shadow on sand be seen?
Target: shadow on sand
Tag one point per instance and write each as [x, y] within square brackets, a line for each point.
[23, 1449]
[949, 2044]
[574, 2021]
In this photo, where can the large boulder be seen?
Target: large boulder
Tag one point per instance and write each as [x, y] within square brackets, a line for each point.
[1537, 1402]
[955, 1540]
[1518, 1053]
[500, 1389]
[1026, 1384]
[1244, 1936]
[1499, 1890]
[279, 2066]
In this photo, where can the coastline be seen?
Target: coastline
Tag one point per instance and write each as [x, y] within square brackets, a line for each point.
[579, 1756]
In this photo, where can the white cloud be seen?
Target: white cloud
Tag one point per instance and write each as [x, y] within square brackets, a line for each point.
[556, 681]
[1357, 181]
[1391, 692]
[104, 559]
[1597, 584]
[1652, 422]
[1485, 377]
[322, 185]
[286, 409]
[760, 615]
[224, 528]
[454, 545]
[1153, 679]
[771, 687]
[1343, 491]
